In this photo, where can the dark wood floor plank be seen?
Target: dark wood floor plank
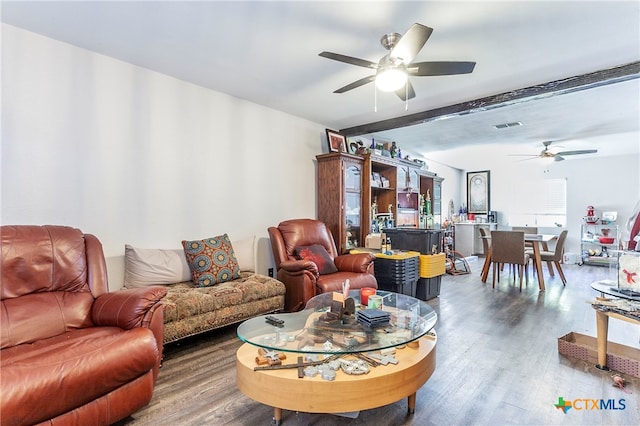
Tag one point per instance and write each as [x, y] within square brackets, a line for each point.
[497, 363]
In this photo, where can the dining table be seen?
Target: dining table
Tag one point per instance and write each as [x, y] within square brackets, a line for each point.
[538, 241]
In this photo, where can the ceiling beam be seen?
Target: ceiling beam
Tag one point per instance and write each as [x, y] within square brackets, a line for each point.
[539, 91]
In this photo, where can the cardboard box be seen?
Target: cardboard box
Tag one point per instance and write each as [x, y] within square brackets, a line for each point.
[621, 358]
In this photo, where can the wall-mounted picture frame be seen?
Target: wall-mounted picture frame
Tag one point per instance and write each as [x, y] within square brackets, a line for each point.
[337, 142]
[478, 192]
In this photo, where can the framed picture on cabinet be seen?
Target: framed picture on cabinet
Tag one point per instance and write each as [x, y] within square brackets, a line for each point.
[478, 192]
[337, 142]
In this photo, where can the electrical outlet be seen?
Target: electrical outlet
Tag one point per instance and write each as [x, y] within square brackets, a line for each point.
[270, 272]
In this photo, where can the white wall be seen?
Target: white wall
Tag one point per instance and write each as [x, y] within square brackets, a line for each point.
[609, 184]
[138, 157]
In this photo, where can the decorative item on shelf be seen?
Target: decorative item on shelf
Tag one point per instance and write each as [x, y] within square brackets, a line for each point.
[606, 240]
[393, 150]
[337, 142]
[427, 199]
[609, 217]
[591, 216]
[376, 180]
[357, 148]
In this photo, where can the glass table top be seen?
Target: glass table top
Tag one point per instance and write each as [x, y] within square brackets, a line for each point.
[317, 330]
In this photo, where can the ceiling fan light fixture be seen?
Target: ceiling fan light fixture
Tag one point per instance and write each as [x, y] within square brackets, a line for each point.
[390, 79]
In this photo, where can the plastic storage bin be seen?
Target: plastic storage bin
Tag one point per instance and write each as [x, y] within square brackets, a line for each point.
[428, 288]
[432, 265]
[397, 273]
[420, 240]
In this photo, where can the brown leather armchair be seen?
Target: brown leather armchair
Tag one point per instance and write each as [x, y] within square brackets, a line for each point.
[302, 278]
[72, 353]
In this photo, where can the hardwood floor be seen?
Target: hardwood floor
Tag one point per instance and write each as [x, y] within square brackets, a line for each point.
[497, 363]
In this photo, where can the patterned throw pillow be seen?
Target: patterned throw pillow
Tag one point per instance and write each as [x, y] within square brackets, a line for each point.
[318, 255]
[211, 260]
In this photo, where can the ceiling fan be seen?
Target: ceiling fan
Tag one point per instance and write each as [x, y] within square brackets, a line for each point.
[394, 68]
[557, 156]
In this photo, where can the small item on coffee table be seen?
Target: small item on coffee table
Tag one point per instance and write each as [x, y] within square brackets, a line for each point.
[274, 321]
[385, 359]
[373, 317]
[269, 357]
[375, 302]
[354, 367]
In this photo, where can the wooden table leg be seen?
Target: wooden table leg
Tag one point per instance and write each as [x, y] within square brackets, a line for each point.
[538, 264]
[602, 331]
[277, 416]
[411, 402]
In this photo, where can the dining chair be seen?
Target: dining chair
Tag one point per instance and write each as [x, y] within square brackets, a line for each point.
[486, 246]
[508, 247]
[554, 257]
[527, 230]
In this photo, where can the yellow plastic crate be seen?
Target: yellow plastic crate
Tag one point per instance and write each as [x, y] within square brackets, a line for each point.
[397, 255]
[432, 265]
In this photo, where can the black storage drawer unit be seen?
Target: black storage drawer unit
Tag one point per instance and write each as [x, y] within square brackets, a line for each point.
[411, 239]
[428, 288]
[397, 274]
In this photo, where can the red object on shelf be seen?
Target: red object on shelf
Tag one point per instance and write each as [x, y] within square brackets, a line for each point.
[606, 240]
[591, 211]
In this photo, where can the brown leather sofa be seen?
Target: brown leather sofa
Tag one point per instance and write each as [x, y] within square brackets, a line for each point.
[72, 353]
[301, 277]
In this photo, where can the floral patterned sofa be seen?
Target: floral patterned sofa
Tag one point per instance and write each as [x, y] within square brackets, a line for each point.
[194, 306]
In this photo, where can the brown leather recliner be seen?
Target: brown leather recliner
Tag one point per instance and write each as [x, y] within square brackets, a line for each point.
[301, 277]
[72, 353]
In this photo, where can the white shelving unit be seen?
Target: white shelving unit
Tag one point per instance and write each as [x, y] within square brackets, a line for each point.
[594, 252]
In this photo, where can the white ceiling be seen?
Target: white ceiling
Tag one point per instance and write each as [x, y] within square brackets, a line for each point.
[267, 52]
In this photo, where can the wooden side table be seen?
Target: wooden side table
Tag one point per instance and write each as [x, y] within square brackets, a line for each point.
[602, 321]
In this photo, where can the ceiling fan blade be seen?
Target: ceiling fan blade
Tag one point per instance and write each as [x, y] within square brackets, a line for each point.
[558, 158]
[404, 91]
[580, 151]
[411, 43]
[440, 68]
[349, 59]
[355, 84]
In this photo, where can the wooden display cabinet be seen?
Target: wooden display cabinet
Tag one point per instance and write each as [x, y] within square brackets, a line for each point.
[379, 193]
[407, 182]
[340, 197]
[358, 194]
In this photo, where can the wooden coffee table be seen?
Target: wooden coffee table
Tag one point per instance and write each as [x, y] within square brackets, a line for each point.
[384, 384]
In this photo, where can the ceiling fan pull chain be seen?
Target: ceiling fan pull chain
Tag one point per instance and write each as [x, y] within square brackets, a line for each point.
[375, 99]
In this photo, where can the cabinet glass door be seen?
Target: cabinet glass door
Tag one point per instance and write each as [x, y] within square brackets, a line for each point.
[352, 205]
[436, 203]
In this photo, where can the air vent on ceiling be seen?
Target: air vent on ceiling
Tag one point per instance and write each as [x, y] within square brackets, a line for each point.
[505, 125]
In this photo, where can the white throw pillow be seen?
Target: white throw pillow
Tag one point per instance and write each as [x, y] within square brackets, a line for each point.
[144, 267]
[244, 250]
